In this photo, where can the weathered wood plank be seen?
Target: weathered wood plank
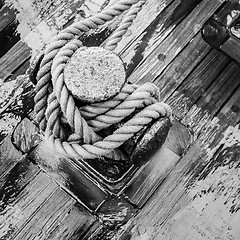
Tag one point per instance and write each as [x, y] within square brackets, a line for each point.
[212, 195]
[77, 224]
[16, 101]
[7, 15]
[115, 212]
[13, 59]
[198, 199]
[231, 47]
[31, 205]
[221, 89]
[68, 175]
[12, 183]
[52, 212]
[156, 31]
[8, 37]
[35, 31]
[152, 65]
[230, 112]
[151, 175]
[198, 81]
[201, 113]
[9, 156]
[24, 204]
[177, 73]
[142, 29]
[21, 70]
[25, 136]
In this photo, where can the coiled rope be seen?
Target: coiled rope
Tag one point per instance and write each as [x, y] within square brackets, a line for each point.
[55, 107]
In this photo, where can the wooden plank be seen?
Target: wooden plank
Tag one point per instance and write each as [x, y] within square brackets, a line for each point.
[156, 31]
[231, 47]
[151, 66]
[18, 54]
[230, 112]
[68, 175]
[21, 70]
[9, 156]
[195, 85]
[54, 210]
[177, 73]
[25, 136]
[7, 15]
[221, 89]
[36, 33]
[198, 199]
[216, 96]
[32, 205]
[150, 176]
[8, 37]
[16, 101]
[115, 212]
[212, 195]
[77, 224]
[142, 29]
[23, 205]
[13, 182]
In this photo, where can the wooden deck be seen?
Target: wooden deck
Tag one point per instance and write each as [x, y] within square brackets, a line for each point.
[189, 189]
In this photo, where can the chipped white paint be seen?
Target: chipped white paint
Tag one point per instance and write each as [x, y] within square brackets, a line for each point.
[9, 92]
[40, 21]
[149, 12]
[39, 37]
[12, 214]
[8, 122]
[228, 138]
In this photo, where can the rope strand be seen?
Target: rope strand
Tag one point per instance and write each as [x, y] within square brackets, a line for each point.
[55, 107]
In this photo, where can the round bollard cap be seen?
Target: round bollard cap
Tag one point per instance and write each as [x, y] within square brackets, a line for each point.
[94, 74]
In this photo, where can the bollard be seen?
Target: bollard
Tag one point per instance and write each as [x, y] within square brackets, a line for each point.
[94, 74]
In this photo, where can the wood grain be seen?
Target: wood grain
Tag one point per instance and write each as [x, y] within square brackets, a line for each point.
[188, 193]
[25, 203]
[197, 82]
[157, 30]
[175, 42]
[149, 13]
[204, 205]
[53, 211]
[230, 112]
[176, 75]
[150, 176]
[231, 48]
[70, 176]
[16, 103]
[31, 205]
[76, 224]
[17, 55]
[207, 107]
[25, 136]
[37, 25]
[9, 156]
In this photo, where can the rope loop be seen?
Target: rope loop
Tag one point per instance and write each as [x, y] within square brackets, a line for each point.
[75, 131]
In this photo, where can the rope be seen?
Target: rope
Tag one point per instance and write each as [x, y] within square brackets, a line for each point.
[116, 37]
[73, 31]
[55, 107]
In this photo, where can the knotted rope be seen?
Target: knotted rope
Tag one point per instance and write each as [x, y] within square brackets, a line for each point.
[55, 107]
